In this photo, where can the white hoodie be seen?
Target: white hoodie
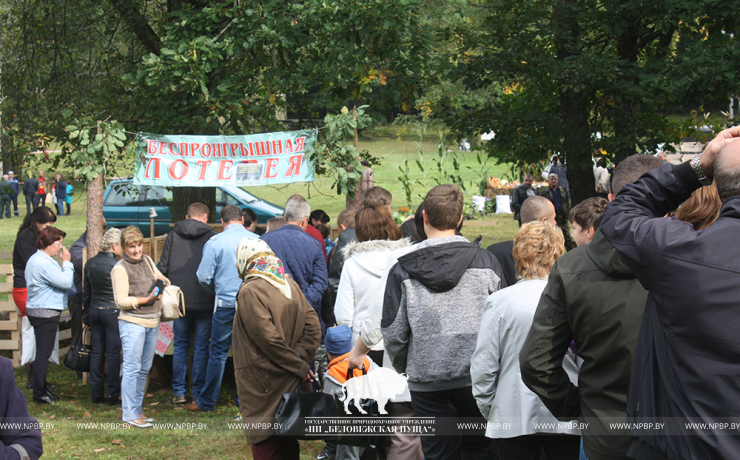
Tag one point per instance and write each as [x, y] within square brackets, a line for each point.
[364, 265]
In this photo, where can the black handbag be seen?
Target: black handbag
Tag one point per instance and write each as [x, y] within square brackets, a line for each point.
[370, 407]
[295, 407]
[78, 356]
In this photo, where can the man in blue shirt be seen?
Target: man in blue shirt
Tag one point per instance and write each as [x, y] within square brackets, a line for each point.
[217, 272]
[300, 253]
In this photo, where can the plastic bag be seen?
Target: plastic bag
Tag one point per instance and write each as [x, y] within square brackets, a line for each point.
[28, 344]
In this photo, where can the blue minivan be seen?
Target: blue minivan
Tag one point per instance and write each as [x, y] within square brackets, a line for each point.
[127, 204]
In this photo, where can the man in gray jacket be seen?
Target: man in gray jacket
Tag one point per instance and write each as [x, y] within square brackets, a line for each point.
[432, 311]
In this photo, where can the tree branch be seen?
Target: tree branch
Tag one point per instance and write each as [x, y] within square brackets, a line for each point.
[138, 25]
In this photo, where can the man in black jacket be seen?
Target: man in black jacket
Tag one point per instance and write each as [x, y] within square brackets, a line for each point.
[538, 208]
[30, 188]
[686, 369]
[593, 298]
[520, 195]
[181, 255]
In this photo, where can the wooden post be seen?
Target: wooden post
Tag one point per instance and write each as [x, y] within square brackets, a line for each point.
[151, 237]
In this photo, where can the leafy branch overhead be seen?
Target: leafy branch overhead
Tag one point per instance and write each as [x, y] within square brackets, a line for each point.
[94, 147]
[335, 158]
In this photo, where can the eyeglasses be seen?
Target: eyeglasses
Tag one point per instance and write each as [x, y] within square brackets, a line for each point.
[58, 242]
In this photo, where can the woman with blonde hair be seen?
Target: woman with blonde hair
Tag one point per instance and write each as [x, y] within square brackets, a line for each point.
[133, 279]
[499, 391]
[101, 312]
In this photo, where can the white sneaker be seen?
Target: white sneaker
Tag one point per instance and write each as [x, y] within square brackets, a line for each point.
[140, 425]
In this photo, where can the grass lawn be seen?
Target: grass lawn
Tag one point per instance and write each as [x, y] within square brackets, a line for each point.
[211, 435]
[77, 429]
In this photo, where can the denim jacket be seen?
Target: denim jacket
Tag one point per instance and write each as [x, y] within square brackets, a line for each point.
[47, 283]
[217, 271]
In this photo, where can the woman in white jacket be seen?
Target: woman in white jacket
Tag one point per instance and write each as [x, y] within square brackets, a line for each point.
[518, 420]
[378, 237]
[365, 261]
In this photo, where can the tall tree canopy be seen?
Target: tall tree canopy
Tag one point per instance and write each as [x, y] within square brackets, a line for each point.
[201, 66]
[551, 74]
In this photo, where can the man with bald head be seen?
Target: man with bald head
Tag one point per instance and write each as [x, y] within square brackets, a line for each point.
[534, 208]
[687, 362]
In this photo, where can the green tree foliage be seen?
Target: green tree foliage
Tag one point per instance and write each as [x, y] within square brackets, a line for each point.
[60, 60]
[201, 66]
[333, 156]
[228, 67]
[550, 74]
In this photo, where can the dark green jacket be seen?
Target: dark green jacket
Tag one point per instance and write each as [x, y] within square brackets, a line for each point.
[5, 190]
[547, 193]
[591, 297]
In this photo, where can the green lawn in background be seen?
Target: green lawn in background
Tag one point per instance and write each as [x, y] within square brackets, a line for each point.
[68, 440]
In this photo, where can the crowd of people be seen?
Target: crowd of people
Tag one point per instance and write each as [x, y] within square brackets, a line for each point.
[625, 319]
[35, 191]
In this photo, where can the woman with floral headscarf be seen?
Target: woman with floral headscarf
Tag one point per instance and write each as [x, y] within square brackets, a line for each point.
[276, 335]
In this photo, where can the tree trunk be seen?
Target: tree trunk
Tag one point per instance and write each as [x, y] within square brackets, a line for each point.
[573, 106]
[182, 197]
[356, 202]
[625, 115]
[577, 145]
[94, 216]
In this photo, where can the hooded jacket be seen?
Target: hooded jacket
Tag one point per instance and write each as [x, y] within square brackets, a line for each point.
[181, 255]
[592, 297]
[687, 363]
[364, 264]
[432, 309]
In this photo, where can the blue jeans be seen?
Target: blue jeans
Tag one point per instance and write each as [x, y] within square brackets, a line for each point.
[106, 340]
[138, 343]
[201, 320]
[221, 328]
[60, 206]
[583, 454]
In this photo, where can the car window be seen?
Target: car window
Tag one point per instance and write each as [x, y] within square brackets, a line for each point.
[224, 198]
[157, 196]
[123, 194]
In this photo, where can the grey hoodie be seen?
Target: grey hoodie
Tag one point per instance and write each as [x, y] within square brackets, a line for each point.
[432, 310]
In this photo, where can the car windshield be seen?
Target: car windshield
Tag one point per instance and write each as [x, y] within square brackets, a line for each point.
[241, 194]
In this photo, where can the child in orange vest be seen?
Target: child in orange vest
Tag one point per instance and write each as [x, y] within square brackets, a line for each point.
[338, 343]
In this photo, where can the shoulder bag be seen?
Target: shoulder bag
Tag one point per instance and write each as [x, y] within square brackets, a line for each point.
[78, 356]
[173, 301]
